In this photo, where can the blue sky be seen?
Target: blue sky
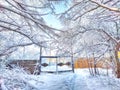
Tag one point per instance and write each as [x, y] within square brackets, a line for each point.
[53, 21]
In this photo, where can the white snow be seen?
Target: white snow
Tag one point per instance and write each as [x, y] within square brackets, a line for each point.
[80, 80]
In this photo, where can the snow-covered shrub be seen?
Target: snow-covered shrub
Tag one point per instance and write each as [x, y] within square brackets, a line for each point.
[17, 79]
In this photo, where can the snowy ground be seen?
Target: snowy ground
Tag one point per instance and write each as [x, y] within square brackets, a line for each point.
[80, 80]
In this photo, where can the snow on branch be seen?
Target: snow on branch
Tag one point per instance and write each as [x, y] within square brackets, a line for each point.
[106, 7]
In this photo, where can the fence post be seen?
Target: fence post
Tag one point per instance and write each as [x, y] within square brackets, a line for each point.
[40, 60]
[72, 63]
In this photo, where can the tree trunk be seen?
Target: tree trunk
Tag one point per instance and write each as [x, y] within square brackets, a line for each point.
[117, 60]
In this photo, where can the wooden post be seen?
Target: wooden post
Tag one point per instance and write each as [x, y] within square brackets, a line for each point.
[56, 66]
[40, 60]
[72, 64]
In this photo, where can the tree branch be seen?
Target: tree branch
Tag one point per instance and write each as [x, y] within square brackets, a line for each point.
[105, 6]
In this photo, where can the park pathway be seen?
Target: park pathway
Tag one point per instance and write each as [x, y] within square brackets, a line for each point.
[65, 82]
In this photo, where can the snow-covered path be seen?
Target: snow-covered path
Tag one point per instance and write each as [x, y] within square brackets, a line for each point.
[59, 82]
[75, 81]
[64, 82]
[80, 80]
[80, 83]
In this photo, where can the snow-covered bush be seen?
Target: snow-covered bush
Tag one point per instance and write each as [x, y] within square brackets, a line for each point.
[17, 79]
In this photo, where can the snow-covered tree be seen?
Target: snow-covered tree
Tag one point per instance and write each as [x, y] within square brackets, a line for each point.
[22, 24]
[100, 20]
